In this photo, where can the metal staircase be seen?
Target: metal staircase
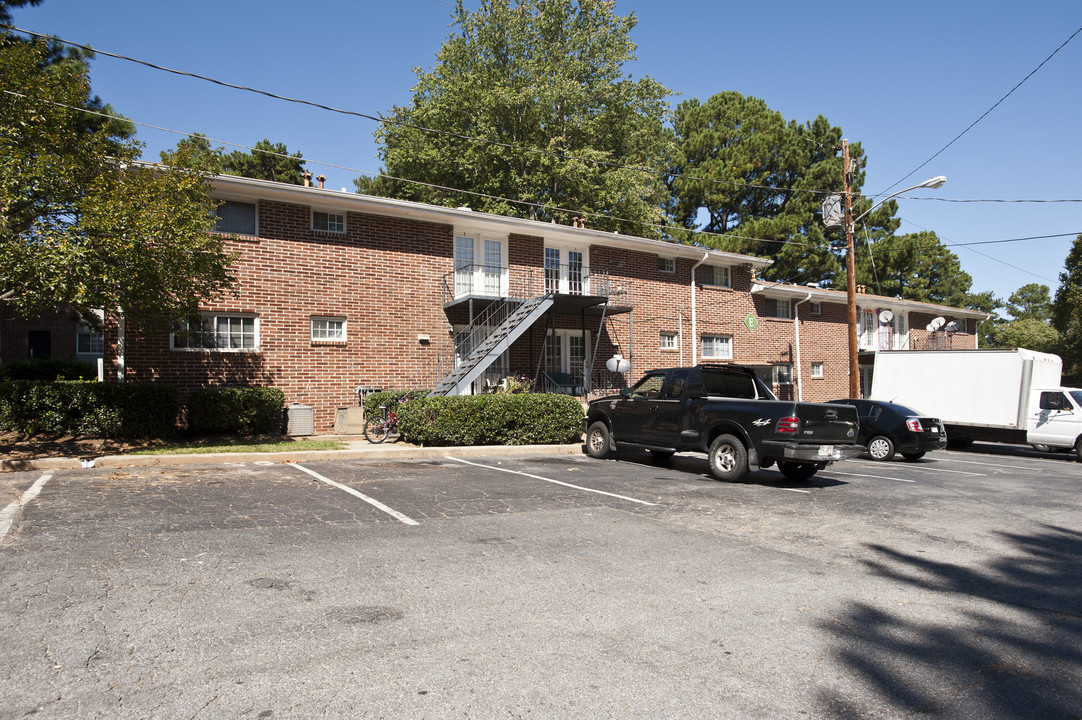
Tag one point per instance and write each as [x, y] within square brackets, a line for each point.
[488, 337]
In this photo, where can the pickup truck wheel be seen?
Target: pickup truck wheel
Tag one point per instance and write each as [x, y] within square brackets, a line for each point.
[798, 471]
[880, 448]
[728, 458]
[597, 441]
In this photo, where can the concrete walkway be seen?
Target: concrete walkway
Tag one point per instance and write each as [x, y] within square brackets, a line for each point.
[356, 450]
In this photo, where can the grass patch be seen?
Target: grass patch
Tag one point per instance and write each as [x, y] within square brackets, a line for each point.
[206, 447]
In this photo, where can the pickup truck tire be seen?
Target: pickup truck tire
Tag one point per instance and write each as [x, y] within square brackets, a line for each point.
[598, 442]
[728, 458]
[798, 471]
[881, 448]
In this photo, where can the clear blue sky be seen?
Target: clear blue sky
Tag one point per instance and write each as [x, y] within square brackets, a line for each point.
[902, 78]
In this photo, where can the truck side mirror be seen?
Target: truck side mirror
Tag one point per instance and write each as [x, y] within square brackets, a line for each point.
[626, 392]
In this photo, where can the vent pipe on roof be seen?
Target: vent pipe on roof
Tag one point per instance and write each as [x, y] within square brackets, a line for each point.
[321, 179]
[307, 179]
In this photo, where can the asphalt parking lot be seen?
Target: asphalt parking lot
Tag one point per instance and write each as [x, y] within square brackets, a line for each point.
[508, 587]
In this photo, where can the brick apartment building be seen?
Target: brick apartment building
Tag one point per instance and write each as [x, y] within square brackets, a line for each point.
[338, 292]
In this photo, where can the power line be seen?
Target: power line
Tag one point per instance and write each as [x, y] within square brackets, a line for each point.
[986, 112]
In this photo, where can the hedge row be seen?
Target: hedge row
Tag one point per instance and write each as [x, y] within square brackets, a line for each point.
[505, 419]
[88, 408]
[236, 410]
[390, 398]
[48, 370]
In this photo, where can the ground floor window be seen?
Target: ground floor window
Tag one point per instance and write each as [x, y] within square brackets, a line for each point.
[88, 342]
[817, 369]
[668, 340]
[217, 332]
[325, 329]
[716, 347]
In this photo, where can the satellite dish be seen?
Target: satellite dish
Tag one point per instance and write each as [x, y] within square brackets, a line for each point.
[952, 326]
[930, 327]
[938, 322]
[885, 316]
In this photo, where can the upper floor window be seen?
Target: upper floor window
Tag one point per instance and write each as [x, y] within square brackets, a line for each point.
[715, 275]
[717, 347]
[217, 332]
[817, 369]
[667, 340]
[816, 308]
[328, 222]
[666, 265]
[235, 217]
[778, 308]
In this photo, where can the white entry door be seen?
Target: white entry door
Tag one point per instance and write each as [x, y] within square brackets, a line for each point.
[567, 270]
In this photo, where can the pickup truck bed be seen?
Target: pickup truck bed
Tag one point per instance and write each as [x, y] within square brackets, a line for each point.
[726, 412]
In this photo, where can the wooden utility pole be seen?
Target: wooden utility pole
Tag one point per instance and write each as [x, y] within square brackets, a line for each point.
[850, 274]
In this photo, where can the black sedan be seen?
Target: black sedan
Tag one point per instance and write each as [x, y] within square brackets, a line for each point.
[886, 428]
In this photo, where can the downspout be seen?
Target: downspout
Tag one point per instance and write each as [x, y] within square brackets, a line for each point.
[121, 347]
[694, 313]
[799, 367]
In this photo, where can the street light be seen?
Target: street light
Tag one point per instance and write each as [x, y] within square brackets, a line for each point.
[850, 269]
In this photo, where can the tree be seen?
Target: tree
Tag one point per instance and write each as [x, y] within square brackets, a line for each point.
[1067, 309]
[916, 266]
[1032, 301]
[6, 5]
[267, 161]
[533, 115]
[83, 225]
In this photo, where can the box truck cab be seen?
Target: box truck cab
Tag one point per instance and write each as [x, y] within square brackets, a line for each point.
[1055, 419]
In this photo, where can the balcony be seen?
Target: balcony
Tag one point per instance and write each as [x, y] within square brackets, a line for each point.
[572, 286]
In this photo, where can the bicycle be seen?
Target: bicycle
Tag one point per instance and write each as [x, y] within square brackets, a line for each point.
[380, 425]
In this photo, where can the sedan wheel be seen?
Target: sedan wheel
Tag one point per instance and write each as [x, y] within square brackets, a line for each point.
[880, 448]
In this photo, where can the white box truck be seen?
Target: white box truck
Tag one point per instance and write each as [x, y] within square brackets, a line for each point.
[1010, 396]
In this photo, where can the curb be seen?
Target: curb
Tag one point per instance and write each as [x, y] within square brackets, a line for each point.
[375, 452]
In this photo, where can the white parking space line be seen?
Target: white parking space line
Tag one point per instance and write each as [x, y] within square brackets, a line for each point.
[877, 477]
[944, 470]
[998, 466]
[11, 512]
[550, 480]
[371, 501]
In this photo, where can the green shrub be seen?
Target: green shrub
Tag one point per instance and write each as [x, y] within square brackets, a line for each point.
[93, 409]
[236, 411]
[502, 419]
[48, 370]
[390, 398]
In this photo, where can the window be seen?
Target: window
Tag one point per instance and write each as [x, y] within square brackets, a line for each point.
[649, 386]
[781, 374]
[217, 332]
[235, 217]
[717, 347]
[714, 275]
[328, 329]
[667, 341]
[778, 308]
[817, 370]
[328, 222]
[816, 308]
[88, 342]
[666, 265]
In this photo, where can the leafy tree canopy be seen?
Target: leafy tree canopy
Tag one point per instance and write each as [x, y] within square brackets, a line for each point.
[916, 266]
[542, 82]
[267, 161]
[82, 224]
[1032, 301]
[1067, 309]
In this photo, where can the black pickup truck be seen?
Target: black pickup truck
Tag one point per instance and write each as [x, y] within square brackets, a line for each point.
[728, 413]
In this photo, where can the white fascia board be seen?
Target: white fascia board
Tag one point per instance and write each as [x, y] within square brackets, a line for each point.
[251, 190]
[782, 290]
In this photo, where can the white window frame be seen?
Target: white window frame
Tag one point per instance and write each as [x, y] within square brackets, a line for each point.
[666, 264]
[815, 308]
[223, 202]
[564, 281]
[473, 275]
[713, 279]
[777, 312]
[96, 340]
[668, 341]
[817, 370]
[210, 323]
[724, 340]
[776, 372]
[321, 330]
[335, 222]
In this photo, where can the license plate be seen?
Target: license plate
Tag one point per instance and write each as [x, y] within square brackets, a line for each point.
[934, 431]
[827, 450]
